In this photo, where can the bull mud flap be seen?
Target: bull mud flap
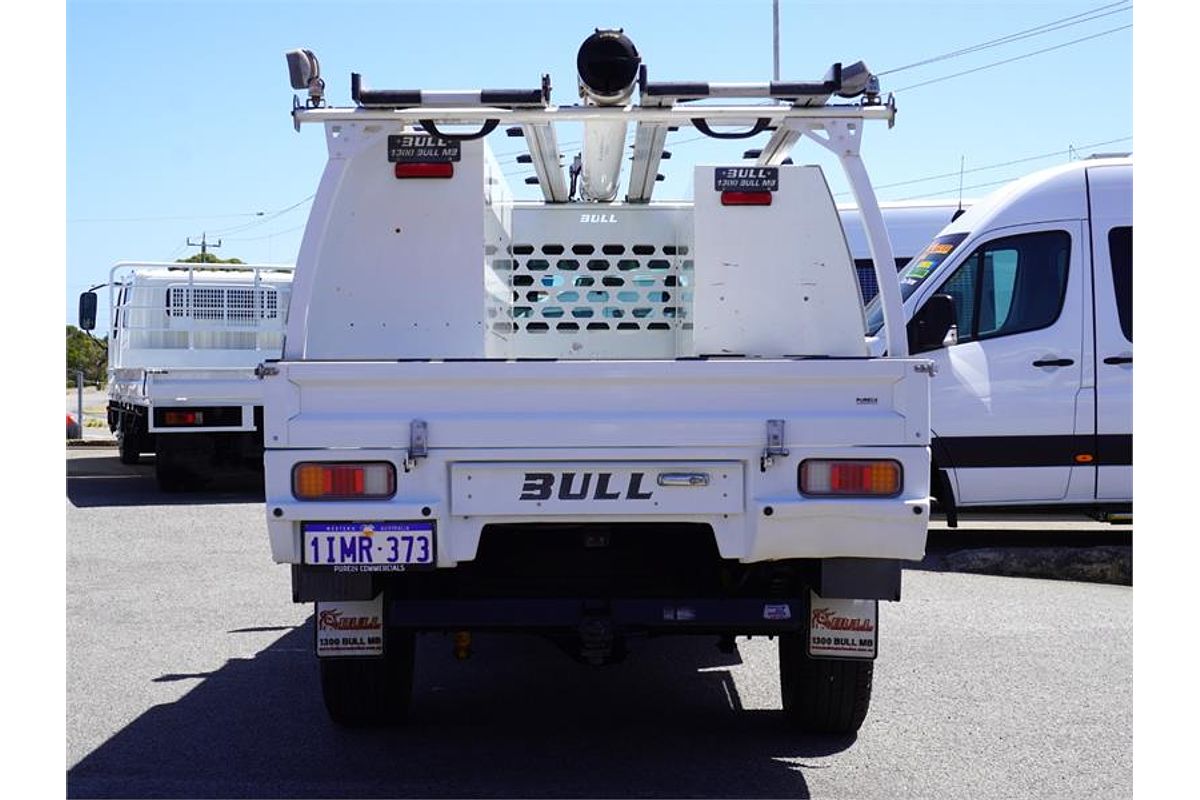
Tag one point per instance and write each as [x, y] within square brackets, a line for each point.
[350, 628]
[843, 629]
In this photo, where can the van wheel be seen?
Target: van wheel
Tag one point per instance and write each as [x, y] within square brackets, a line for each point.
[367, 692]
[821, 695]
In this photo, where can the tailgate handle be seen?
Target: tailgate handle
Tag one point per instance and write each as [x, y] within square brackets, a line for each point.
[683, 479]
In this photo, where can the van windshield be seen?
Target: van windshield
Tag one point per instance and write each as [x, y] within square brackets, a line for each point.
[914, 274]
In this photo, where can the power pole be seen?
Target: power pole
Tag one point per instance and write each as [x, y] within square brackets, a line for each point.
[203, 244]
[775, 14]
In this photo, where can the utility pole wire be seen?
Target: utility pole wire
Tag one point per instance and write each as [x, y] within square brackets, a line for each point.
[1010, 60]
[995, 166]
[974, 186]
[270, 235]
[1048, 27]
[266, 218]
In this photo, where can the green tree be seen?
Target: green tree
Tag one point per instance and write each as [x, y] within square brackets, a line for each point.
[207, 258]
[88, 354]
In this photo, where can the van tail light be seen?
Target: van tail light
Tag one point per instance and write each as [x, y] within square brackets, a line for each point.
[851, 477]
[359, 480]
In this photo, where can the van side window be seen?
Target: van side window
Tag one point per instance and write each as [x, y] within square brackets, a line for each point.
[1120, 253]
[1011, 285]
[867, 285]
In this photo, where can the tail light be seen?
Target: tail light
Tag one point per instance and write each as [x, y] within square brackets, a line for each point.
[424, 169]
[732, 198]
[360, 480]
[183, 417]
[851, 477]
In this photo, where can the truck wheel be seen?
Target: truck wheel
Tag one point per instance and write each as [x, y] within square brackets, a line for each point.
[362, 692]
[129, 446]
[169, 468]
[820, 695]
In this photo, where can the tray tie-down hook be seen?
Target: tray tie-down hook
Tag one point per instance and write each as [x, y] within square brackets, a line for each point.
[775, 448]
[418, 443]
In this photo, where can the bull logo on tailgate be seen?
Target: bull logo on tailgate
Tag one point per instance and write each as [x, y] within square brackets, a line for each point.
[583, 486]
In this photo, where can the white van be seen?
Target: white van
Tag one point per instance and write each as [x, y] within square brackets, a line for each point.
[1025, 304]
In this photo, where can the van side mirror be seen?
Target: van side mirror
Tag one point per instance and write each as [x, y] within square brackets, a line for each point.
[87, 311]
[930, 328]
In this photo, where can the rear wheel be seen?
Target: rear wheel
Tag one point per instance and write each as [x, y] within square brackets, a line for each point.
[129, 445]
[820, 695]
[361, 692]
[171, 468]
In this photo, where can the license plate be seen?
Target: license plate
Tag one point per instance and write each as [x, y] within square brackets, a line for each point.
[369, 546]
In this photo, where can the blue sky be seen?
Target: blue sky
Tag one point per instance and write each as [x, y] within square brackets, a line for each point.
[211, 143]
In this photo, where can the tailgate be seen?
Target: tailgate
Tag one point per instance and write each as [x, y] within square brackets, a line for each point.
[596, 404]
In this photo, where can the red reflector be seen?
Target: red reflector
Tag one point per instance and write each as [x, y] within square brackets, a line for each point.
[183, 418]
[745, 198]
[435, 169]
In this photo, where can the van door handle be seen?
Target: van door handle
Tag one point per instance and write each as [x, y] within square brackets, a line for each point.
[1119, 360]
[1054, 362]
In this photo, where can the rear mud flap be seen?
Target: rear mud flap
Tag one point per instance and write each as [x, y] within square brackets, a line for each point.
[349, 628]
[843, 629]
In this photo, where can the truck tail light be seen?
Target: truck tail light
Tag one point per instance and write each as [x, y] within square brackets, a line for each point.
[851, 477]
[423, 169]
[363, 480]
[183, 417]
[730, 198]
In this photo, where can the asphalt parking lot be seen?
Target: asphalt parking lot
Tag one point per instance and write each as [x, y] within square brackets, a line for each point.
[190, 673]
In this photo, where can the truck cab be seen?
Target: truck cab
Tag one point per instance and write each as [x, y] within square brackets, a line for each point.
[1024, 303]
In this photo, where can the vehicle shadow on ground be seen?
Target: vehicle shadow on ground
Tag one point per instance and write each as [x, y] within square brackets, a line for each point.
[102, 480]
[518, 719]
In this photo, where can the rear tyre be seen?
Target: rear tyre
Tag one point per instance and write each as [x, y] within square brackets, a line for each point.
[129, 446]
[819, 695]
[170, 469]
[369, 692]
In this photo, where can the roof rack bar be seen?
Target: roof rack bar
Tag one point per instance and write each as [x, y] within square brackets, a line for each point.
[772, 89]
[412, 98]
[713, 115]
[793, 91]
